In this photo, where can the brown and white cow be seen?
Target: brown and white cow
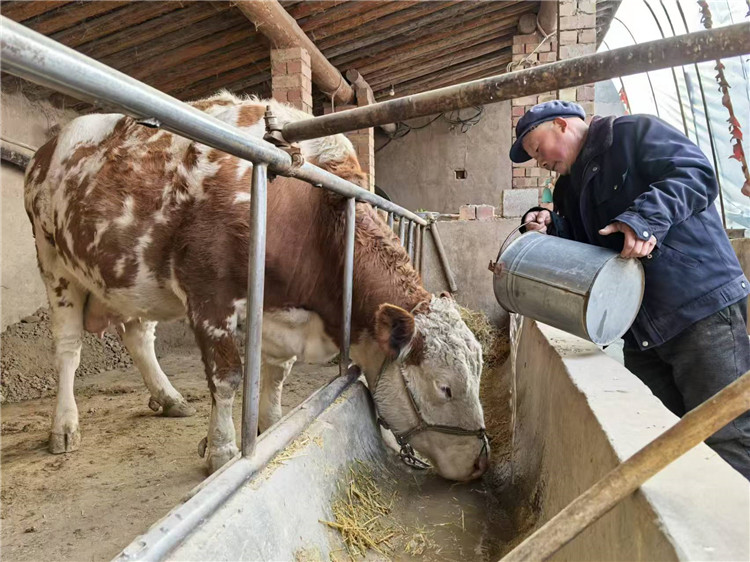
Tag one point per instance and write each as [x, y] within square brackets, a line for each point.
[134, 225]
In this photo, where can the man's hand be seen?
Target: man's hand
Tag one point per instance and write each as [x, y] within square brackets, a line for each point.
[538, 220]
[634, 247]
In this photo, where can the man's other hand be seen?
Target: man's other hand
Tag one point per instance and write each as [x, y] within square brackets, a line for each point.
[538, 220]
[633, 247]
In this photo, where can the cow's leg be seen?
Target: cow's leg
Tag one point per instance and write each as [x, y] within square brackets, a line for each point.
[138, 336]
[224, 373]
[66, 300]
[273, 373]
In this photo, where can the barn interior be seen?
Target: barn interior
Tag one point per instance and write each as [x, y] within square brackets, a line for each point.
[137, 472]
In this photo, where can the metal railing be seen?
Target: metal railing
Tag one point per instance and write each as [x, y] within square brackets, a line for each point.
[30, 55]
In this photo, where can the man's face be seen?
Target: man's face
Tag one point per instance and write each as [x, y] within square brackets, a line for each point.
[553, 145]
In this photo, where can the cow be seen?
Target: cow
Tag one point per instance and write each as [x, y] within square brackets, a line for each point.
[134, 225]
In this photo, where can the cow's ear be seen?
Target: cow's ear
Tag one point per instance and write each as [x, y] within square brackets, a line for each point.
[394, 330]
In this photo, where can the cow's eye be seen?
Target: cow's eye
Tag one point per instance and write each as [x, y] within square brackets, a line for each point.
[446, 390]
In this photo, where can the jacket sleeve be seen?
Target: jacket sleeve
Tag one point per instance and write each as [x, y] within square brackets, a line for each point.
[558, 227]
[682, 182]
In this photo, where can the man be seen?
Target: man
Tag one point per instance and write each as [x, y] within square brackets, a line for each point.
[638, 186]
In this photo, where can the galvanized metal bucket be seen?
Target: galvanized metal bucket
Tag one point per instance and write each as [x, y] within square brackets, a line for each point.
[586, 290]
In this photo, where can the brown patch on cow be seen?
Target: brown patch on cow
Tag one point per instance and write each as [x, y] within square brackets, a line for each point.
[203, 105]
[190, 159]
[249, 115]
[41, 161]
[394, 329]
[81, 151]
[62, 284]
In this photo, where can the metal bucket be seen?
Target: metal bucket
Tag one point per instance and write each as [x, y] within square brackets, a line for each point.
[586, 290]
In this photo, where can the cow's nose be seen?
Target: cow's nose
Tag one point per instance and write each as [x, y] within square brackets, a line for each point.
[480, 465]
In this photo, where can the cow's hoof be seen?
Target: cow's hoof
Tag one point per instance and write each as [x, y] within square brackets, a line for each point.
[177, 409]
[220, 456]
[64, 442]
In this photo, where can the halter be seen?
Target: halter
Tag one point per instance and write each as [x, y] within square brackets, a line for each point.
[407, 451]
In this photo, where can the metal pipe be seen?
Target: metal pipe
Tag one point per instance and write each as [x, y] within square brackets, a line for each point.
[728, 41]
[443, 258]
[402, 231]
[256, 270]
[390, 220]
[174, 528]
[39, 59]
[418, 251]
[411, 246]
[346, 325]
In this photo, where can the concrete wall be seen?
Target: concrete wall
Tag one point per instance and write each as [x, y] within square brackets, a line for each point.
[418, 170]
[579, 414]
[28, 123]
[469, 246]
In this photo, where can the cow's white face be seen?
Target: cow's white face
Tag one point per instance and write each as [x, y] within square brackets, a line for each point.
[440, 360]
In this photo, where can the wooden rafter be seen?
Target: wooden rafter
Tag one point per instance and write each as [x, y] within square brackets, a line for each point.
[282, 30]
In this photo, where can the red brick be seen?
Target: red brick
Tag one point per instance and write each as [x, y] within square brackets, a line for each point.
[280, 95]
[547, 57]
[278, 68]
[467, 212]
[519, 172]
[587, 36]
[524, 182]
[294, 67]
[530, 38]
[567, 37]
[529, 48]
[566, 8]
[294, 95]
[485, 212]
[518, 49]
[517, 111]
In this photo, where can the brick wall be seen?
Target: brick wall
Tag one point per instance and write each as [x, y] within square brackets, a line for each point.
[291, 77]
[577, 37]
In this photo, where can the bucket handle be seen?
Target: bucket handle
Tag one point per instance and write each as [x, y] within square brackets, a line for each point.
[505, 242]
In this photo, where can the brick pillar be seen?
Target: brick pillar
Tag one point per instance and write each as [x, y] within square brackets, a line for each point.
[291, 77]
[577, 31]
[528, 178]
[364, 145]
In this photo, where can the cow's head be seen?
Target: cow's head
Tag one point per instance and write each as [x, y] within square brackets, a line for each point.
[427, 392]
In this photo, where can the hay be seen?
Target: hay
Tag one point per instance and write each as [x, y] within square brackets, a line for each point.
[363, 515]
[495, 342]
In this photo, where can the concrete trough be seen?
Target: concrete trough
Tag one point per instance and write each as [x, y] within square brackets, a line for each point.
[578, 413]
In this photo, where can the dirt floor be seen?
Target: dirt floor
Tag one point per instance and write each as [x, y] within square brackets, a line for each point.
[133, 466]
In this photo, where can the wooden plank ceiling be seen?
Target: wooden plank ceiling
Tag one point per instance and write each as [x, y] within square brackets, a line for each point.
[192, 49]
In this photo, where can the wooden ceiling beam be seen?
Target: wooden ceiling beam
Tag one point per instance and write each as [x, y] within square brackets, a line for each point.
[417, 69]
[22, 10]
[70, 15]
[270, 19]
[315, 25]
[377, 10]
[461, 73]
[169, 44]
[188, 14]
[406, 21]
[241, 54]
[303, 10]
[395, 46]
[443, 41]
[133, 14]
[235, 80]
[185, 54]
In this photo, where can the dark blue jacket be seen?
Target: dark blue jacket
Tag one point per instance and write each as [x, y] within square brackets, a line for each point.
[639, 170]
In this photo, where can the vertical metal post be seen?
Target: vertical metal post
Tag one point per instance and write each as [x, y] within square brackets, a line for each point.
[418, 251]
[346, 325]
[443, 258]
[410, 226]
[390, 220]
[402, 230]
[256, 269]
